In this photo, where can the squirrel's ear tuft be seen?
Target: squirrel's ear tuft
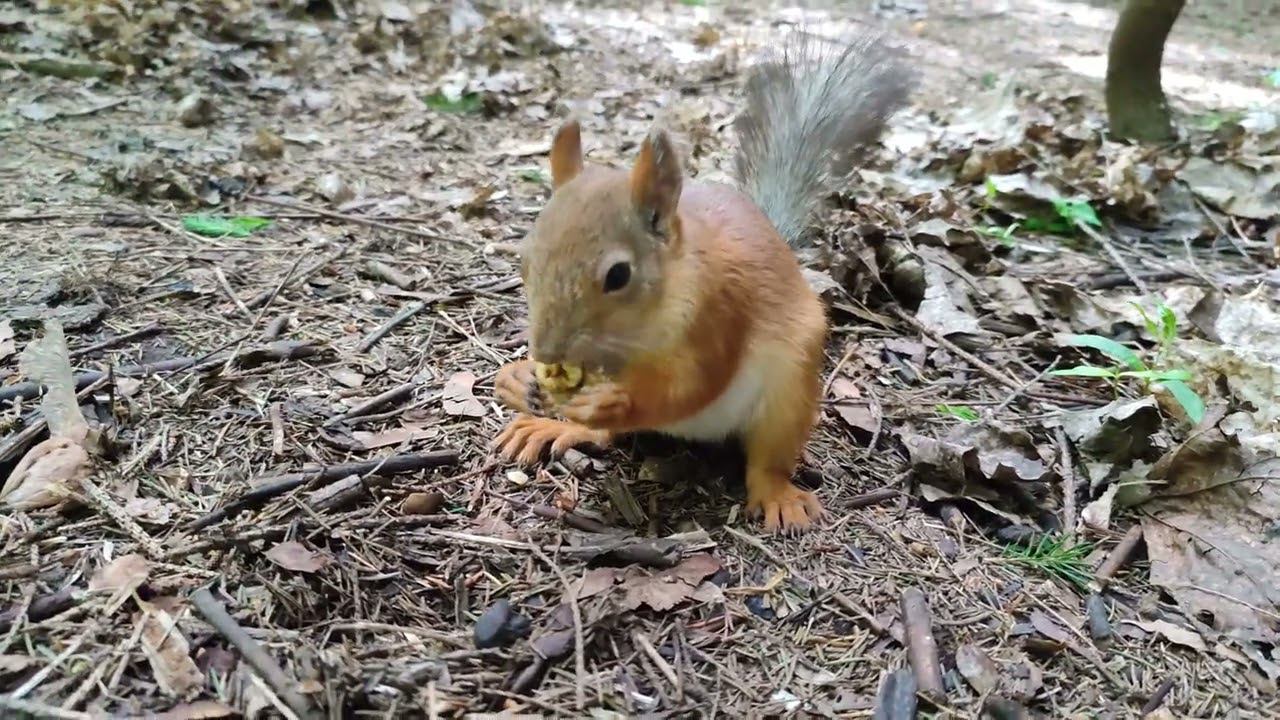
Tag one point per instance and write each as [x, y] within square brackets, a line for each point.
[655, 183]
[566, 153]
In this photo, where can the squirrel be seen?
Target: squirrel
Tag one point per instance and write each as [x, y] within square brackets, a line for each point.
[685, 298]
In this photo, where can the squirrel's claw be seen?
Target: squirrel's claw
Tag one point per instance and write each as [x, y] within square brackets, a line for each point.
[526, 438]
[785, 507]
[516, 387]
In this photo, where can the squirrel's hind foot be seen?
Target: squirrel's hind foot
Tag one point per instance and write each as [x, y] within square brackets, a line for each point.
[526, 438]
[783, 506]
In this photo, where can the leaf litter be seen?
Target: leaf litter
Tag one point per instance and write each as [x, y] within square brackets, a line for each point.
[384, 127]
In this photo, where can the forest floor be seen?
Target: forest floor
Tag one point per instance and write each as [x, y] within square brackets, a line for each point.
[1089, 545]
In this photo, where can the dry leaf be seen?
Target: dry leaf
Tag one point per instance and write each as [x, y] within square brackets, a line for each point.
[395, 436]
[595, 582]
[1172, 633]
[124, 574]
[17, 663]
[1049, 628]
[150, 511]
[297, 557]
[977, 667]
[458, 397]
[46, 475]
[347, 378]
[668, 588]
[46, 361]
[168, 652]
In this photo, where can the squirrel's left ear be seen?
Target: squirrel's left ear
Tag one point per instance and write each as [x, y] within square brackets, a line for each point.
[656, 180]
[566, 154]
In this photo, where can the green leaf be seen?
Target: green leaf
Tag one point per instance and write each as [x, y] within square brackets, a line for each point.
[1273, 78]
[217, 226]
[1168, 324]
[989, 78]
[1188, 399]
[1158, 375]
[534, 175]
[961, 412]
[466, 104]
[1110, 348]
[1086, 371]
[694, 3]
[1074, 211]
[1146, 320]
[990, 188]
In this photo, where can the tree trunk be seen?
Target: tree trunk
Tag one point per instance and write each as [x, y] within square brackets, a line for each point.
[1136, 105]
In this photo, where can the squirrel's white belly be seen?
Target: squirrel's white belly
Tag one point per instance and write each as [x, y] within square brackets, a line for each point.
[730, 413]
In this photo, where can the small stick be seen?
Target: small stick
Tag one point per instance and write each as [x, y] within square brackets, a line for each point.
[1068, 485]
[896, 699]
[105, 504]
[579, 653]
[385, 272]
[270, 487]
[875, 497]
[984, 367]
[306, 522]
[140, 334]
[396, 320]
[16, 444]
[922, 651]
[1119, 556]
[393, 396]
[1115, 256]
[225, 284]
[356, 219]
[575, 521]
[41, 608]
[876, 626]
[647, 646]
[271, 673]
[276, 327]
[1157, 698]
[40, 710]
[1017, 393]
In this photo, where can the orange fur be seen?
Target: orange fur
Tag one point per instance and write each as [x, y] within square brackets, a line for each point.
[721, 294]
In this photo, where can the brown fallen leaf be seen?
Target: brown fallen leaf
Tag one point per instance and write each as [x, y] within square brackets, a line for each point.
[347, 377]
[395, 436]
[977, 668]
[595, 582]
[668, 588]
[122, 575]
[47, 474]
[459, 398]
[297, 557]
[169, 653]
[1049, 628]
[1172, 633]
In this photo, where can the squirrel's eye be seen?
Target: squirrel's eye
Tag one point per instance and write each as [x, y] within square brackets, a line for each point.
[618, 276]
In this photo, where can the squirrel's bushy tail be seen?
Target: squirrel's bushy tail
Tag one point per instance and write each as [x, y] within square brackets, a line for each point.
[810, 113]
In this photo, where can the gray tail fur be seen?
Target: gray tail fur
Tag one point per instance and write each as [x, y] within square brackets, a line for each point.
[810, 114]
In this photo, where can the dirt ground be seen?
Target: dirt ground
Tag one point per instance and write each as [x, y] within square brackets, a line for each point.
[388, 267]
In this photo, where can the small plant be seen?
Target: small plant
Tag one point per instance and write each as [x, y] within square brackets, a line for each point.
[960, 412]
[1052, 554]
[1273, 78]
[1003, 234]
[1066, 215]
[693, 3]
[216, 226]
[465, 104]
[1130, 365]
[534, 175]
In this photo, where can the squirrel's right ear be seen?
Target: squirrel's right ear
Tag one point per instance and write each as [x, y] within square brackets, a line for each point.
[566, 154]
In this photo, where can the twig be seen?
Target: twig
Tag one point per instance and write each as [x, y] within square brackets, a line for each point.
[575, 521]
[40, 710]
[225, 284]
[263, 300]
[270, 487]
[383, 271]
[1068, 484]
[665, 667]
[995, 411]
[216, 615]
[896, 698]
[305, 523]
[357, 220]
[16, 444]
[875, 497]
[408, 311]
[1157, 698]
[41, 608]
[579, 654]
[140, 334]
[984, 367]
[106, 505]
[276, 327]
[393, 396]
[1105, 242]
[922, 651]
[1119, 556]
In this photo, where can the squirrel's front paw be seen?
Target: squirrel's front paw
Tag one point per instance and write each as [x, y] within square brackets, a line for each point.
[783, 506]
[516, 386]
[602, 404]
[525, 438]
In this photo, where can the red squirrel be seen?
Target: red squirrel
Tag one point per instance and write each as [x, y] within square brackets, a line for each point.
[684, 299]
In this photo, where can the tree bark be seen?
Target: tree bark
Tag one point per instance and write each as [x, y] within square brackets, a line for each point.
[1136, 105]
